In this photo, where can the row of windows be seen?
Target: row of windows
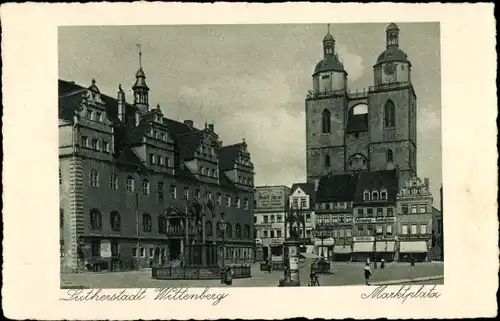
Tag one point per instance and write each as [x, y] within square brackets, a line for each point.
[95, 116]
[414, 229]
[375, 195]
[421, 208]
[336, 206]
[146, 190]
[205, 151]
[277, 218]
[370, 230]
[245, 180]
[159, 135]
[301, 199]
[96, 144]
[389, 211]
[333, 219]
[159, 160]
[208, 172]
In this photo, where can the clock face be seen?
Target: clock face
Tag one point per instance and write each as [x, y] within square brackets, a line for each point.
[389, 69]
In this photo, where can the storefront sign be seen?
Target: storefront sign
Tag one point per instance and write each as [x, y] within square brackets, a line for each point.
[264, 225]
[270, 198]
[381, 238]
[390, 219]
[361, 220]
[363, 239]
[414, 236]
[105, 248]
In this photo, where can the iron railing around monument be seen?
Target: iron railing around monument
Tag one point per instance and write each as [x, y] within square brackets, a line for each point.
[198, 272]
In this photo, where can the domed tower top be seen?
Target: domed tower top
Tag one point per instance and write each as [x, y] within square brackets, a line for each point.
[330, 60]
[140, 87]
[392, 51]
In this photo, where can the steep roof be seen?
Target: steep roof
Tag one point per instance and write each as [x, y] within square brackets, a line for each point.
[376, 181]
[336, 188]
[188, 143]
[228, 155]
[308, 188]
[357, 123]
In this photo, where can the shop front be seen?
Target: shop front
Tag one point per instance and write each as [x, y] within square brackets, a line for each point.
[417, 248]
[385, 249]
[324, 247]
[363, 248]
[342, 253]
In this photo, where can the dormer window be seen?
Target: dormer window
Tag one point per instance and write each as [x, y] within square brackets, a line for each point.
[374, 195]
[366, 196]
[383, 194]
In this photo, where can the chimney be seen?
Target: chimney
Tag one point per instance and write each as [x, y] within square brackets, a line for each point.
[137, 118]
[426, 182]
[211, 127]
[189, 123]
[121, 104]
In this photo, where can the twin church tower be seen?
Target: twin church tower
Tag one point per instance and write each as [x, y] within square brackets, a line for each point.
[370, 130]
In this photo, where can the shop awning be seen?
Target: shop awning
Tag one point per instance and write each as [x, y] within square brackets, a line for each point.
[413, 247]
[363, 247]
[386, 246]
[326, 242]
[310, 255]
[342, 249]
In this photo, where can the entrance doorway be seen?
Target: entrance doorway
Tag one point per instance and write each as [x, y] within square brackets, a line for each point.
[265, 252]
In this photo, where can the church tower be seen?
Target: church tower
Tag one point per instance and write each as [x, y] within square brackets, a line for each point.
[392, 111]
[326, 113]
[140, 88]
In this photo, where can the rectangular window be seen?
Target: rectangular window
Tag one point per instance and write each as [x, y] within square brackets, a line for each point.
[98, 116]
[85, 141]
[308, 218]
[218, 200]
[151, 252]
[246, 204]
[423, 208]
[389, 229]
[423, 228]
[238, 202]
[105, 147]
[130, 184]
[390, 211]
[202, 170]
[152, 159]
[348, 233]
[414, 209]
[303, 202]
[335, 219]
[369, 212]
[271, 218]
[162, 136]
[265, 233]
[198, 194]
[173, 192]
[380, 212]
[327, 219]
[143, 252]
[96, 248]
[115, 249]
[161, 160]
[327, 206]
[295, 202]
[113, 182]
[360, 230]
[167, 161]
[272, 233]
[379, 229]
[341, 233]
[414, 229]
[185, 195]
[341, 219]
[319, 220]
[405, 209]
[404, 229]
[228, 201]
[95, 144]
[369, 230]
[266, 219]
[134, 252]
[360, 212]
[348, 219]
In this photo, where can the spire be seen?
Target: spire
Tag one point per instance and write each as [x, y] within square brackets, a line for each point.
[328, 43]
[140, 87]
[140, 55]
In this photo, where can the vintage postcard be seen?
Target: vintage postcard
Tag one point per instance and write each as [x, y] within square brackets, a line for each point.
[216, 166]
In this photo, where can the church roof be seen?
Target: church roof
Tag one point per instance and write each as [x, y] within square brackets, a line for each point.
[357, 123]
[392, 53]
[330, 63]
[392, 26]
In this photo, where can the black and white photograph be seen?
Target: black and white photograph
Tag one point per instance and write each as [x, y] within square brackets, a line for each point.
[250, 155]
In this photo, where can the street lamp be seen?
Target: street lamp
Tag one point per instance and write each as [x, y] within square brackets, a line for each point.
[222, 226]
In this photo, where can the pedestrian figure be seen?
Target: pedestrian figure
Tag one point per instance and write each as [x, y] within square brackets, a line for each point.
[412, 261]
[286, 272]
[368, 273]
[382, 263]
[313, 278]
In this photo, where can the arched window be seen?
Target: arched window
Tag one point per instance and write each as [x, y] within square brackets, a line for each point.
[389, 111]
[237, 230]
[246, 231]
[327, 160]
[366, 196]
[374, 195]
[94, 178]
[229, 230]
[95, 219]
[162, 224]
[115, 220]
[326, 122]
[383, 194]
[146, 222]
[145, 187]
[208, 228]
[390, 156]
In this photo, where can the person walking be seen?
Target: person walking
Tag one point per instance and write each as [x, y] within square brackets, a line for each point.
[313, 277]
[368, 273]
[412, 261]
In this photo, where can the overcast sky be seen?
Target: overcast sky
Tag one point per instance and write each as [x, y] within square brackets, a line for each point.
[251, 80]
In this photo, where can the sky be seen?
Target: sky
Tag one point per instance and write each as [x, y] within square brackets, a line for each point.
[251, 80]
